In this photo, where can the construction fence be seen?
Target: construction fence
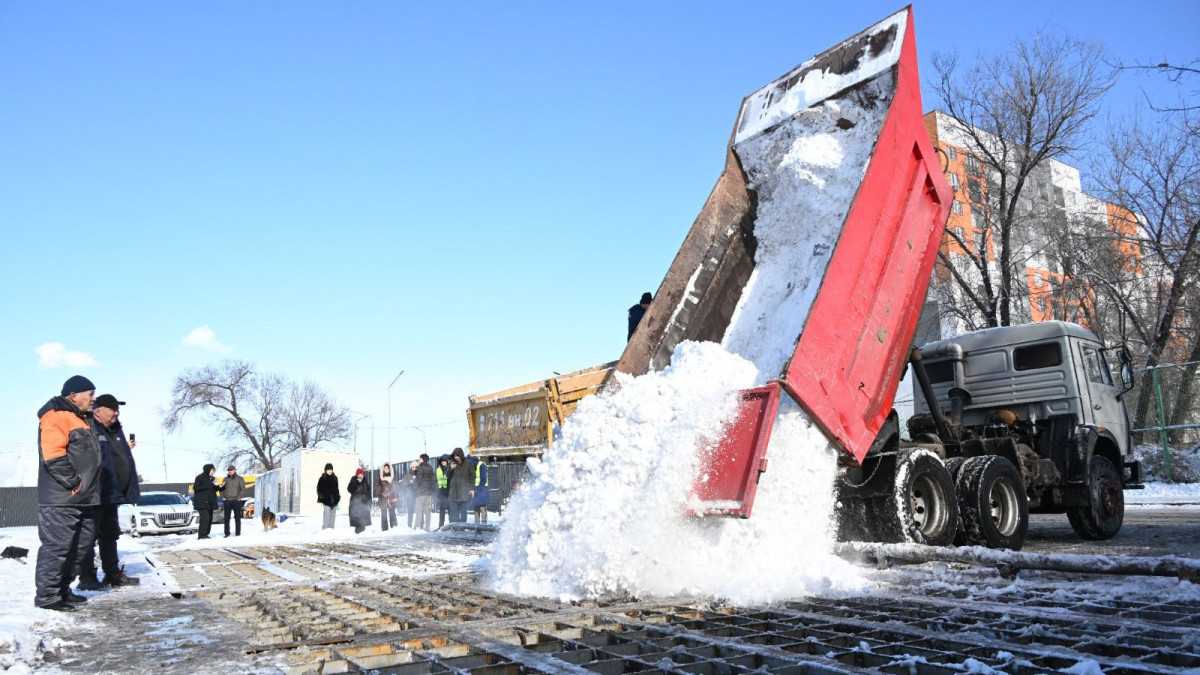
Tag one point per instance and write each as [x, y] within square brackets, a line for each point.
[19, 505]
[1169, 398]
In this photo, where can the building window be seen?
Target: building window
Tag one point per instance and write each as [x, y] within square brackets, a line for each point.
[972, 164]
[953, 179]
[975, 190]
[980, 243]
[956, 207]
[1041, 303]
[1037, 279]
[951, 153]
[958, 232]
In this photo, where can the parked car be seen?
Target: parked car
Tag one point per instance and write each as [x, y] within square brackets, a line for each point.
[248, 508]
[158, 513]
[218, 513]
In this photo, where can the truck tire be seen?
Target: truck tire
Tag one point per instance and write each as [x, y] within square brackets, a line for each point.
[992, 503]
[954, 466]
[1104, 513]
[922, 508]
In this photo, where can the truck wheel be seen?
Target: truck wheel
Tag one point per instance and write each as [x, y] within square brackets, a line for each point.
[922, 508]
[1101, 518]
[954, 466]
[992, 503]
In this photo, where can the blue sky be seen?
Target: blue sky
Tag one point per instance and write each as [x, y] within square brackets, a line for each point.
[473, 193]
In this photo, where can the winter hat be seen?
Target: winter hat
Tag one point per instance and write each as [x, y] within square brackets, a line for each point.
[646, 299]
[76, 384]
[358, 473]
[208, 467]
[107, 401]
[328, 466]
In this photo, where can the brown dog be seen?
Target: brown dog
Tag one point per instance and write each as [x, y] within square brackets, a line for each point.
[268, 519]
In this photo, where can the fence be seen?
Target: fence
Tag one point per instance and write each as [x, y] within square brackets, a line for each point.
[1171, 420]
[19, 505]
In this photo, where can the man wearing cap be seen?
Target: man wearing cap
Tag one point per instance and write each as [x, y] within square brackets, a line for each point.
[233, 489]
[637, 312]
[118, 485]
[68, 491]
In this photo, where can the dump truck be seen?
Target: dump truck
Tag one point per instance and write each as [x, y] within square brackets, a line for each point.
[1024, 430]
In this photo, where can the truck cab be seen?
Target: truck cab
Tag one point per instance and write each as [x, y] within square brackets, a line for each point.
[1043, 396]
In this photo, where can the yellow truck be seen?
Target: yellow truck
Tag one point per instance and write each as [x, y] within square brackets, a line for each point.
[520, 422]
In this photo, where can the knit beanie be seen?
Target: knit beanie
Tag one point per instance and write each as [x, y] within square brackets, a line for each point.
[76, 384]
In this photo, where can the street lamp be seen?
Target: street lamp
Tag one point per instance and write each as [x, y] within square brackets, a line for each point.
[364, 416]
[389, 421]
[424, 439]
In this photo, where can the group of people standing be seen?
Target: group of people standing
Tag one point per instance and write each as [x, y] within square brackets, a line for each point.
[86, 472]
[456, 484]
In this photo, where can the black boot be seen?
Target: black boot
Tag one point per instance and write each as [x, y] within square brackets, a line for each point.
[119, 578]
[89, 582]
[72, 598]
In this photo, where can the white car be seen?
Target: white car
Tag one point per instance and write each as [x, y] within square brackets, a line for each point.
[158, 513]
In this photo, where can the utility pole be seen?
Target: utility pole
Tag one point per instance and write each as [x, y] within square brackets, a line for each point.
[162, 434]
[389, 448]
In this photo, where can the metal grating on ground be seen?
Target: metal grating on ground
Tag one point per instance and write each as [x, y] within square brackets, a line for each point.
[336, 608]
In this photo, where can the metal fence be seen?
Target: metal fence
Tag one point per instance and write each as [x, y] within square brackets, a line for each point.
[19, 505]
[1172, 420]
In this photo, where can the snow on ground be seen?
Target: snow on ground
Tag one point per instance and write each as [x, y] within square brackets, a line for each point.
[1164, 494]
[23, 627]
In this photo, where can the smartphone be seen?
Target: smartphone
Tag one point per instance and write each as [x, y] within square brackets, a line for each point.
[132, 438]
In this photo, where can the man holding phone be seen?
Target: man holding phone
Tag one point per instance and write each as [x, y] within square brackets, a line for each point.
[118, 485]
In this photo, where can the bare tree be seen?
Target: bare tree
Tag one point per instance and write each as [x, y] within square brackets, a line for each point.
[1154, 172]
[1018, 111]
[263, 416]
[314, 417]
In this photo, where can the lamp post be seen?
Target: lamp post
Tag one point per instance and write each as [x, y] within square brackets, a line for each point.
[363, 417]
[389, 421]
[424, 439]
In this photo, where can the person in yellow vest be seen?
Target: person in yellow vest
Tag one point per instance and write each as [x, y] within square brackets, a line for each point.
[479, 496]
[443, 489]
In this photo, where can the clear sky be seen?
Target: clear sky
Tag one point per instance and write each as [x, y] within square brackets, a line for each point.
[473, 193]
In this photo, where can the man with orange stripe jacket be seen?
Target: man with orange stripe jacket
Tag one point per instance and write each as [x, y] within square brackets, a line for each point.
[68, 492]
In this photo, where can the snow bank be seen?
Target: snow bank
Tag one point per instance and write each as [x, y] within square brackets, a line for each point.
[603, 514]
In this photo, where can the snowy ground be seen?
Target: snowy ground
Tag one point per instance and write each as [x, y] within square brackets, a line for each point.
[402, 596]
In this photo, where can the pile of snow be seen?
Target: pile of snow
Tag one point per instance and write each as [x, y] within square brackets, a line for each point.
[603, 514]
[1185, 464]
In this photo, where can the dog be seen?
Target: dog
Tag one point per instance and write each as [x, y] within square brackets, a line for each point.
[269, 520]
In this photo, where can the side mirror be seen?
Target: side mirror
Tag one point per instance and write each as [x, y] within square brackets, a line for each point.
[1125, 364]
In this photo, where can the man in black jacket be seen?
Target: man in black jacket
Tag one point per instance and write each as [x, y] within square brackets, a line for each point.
[118, 485]
[204, 499]
[637, 312]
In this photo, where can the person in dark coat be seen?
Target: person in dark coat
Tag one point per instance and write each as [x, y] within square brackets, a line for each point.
[424, 485]
[480, 494]
[328, 495]
[360, 502]
[68, 491]
[387, 491]
[204, 499]
[118, 485]
[462, 482]
[637, 312]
